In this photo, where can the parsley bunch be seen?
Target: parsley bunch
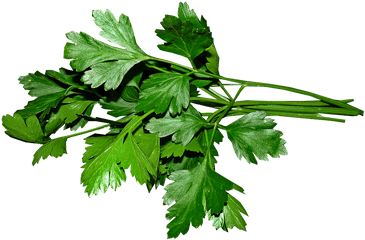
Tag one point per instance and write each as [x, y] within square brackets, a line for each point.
[158, 131]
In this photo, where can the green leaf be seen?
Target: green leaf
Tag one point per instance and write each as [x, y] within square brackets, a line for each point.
[177, 149]
[188, 190]
[110, 73]
[108, 64]
[39, 84]
[118, 108]
[164, 91]
[70, 78]
[231, 216]
[54, 148]
[142, 153]
[42, 104]
[253, 134]
[81, 122]
[101, 168]
[28, 131]
[130, 94]
[183, 127]
[66, 114]
[212, 59]
[120, 33]
[218, 138]
[109, 155]
[183, 38]
[50, 89]
[186, 162]
[186, 14]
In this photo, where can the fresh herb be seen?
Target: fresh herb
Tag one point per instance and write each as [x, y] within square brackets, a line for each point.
[158, 131]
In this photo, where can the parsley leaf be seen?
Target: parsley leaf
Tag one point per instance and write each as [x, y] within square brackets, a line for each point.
[101, 168]
[164, 91]
[108, 64]
[231, 216]
[141, 152]
[159, 134]
[177, 149]
[66, 114]
[119, 107]
[182, 128]
[183, 38]
[29, 130]
[109, 155]
[54, 148]
[50, 90]
[254, 134]
[188, 190]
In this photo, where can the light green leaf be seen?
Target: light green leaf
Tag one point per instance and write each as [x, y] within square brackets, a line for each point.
[54, 148]
[253, 134]
[183, 127]
[29, 130]
[108, 64]
[110, 73]
[120, 33]
[188, 190]
[164, 91]
[102, 58]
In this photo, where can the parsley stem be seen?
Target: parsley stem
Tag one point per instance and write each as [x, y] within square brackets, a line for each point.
[216, 103]
[224, 90]
[295, 90]
[157, 68]
[269, 85]
[87, 131]
[281, 114]
[301, 109]
[225, 109]
[288, 89]
[172, 63]
[213, 94]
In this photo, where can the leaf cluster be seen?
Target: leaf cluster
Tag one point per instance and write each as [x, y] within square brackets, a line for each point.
[156, 130]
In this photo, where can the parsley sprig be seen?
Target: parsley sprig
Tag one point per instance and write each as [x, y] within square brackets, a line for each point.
[158, 131]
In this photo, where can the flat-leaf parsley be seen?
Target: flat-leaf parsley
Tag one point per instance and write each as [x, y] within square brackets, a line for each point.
[158, 131]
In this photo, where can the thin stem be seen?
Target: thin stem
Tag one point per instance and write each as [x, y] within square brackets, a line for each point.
[172, 63]
[216, 123]
[269, 85]
[281, 114]
[313, 103]
[213, 94]
[87, 131]
[135, 125]
[300, 109]
[296, 90]
[225, 90]
[157, 68]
